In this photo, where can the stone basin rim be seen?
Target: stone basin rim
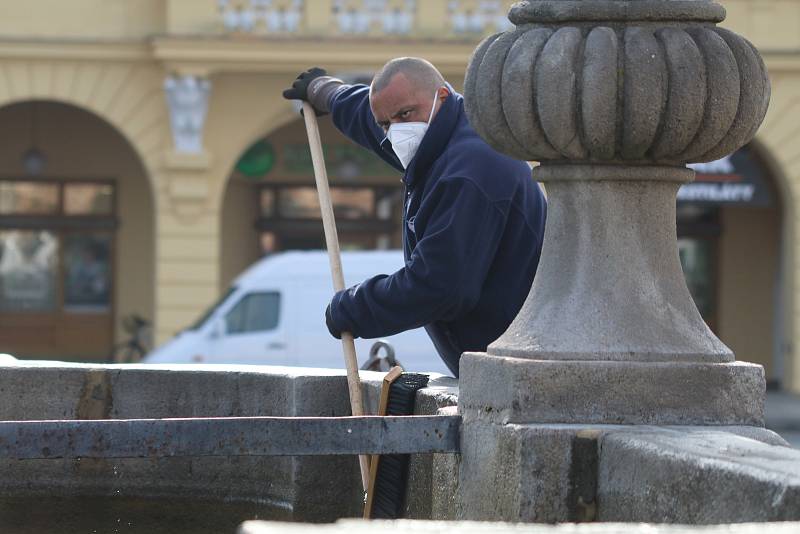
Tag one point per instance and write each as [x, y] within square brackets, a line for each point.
[549, 11]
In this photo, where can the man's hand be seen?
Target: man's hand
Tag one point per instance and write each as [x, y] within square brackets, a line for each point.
[329, 323]
[315, 87]
[299, 89]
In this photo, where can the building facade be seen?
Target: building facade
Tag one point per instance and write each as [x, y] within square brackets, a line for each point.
[147, 157]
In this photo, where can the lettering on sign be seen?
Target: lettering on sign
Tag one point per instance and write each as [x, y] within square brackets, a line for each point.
[738, 178]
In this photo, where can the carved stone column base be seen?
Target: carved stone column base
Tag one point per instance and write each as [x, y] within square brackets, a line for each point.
[609, 284]
[515, 390]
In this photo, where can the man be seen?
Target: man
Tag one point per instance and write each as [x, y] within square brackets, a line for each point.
[473, 219]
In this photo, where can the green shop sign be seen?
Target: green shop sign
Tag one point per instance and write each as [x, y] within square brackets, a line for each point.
[257, 160]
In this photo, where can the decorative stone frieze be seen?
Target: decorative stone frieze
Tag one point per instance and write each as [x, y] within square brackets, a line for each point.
[477, 16]
[262, 16]
[187, 98]
[361, 17]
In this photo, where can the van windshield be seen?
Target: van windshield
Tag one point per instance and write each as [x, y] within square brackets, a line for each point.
[203, 318]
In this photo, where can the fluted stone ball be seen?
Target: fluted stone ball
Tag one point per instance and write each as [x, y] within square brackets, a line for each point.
[661, 84]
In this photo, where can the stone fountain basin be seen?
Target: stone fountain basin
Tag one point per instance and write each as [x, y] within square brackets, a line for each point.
[180, 494]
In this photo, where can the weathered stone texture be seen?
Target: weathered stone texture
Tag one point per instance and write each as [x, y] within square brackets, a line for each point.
[610, 290]
[516, 390]
[432, 477]
[311, 488]
[613, 98]
[516, 473]
[609, 85]
[557, 473]
[703, 477]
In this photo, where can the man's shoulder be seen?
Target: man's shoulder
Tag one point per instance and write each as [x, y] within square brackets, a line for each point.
[468, 156]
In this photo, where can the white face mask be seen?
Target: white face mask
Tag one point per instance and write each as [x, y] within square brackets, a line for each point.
[406, 137]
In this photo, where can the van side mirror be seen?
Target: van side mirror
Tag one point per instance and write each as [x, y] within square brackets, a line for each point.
[217, 328]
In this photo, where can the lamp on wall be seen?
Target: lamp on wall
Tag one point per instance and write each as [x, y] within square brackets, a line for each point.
[33, 160]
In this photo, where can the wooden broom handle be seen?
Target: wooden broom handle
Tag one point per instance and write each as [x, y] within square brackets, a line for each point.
[332, 244]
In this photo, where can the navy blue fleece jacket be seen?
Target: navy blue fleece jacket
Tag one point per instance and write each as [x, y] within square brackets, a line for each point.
[473, 226]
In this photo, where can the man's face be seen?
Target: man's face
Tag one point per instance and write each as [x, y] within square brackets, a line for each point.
[401, 101]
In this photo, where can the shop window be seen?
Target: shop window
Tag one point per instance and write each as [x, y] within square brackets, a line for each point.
[298, 203]
[697, 262]
[56, 241]
[88, 199]
[267, 202]
[28, 198]
[87, 281]
[698, 229]
[367, 217]
[28, 270]
[255, 312]
[353, 203]
[348, 203]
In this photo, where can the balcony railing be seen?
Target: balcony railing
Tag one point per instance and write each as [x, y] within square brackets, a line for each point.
[438, 19]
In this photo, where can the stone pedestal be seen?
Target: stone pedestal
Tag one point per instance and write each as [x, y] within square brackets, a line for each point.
[502, 390]
[613, 98]
[609, 284]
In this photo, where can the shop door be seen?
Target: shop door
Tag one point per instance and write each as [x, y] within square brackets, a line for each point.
[698, 245]
[56, 269]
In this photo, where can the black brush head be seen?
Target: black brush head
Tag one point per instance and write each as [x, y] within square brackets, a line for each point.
[392, 475]
[403, 392]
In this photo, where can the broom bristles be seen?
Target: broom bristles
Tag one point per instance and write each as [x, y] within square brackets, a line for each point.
[392, 474]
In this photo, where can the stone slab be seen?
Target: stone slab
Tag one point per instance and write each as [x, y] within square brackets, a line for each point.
[703, 477]
[320, 488]
[516, 390]
[431, 477]
[549, 473]
[469, 527]
[516, 473]
[305, 488]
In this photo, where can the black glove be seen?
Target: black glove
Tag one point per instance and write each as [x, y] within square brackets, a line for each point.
[299, 89]
[335, 332]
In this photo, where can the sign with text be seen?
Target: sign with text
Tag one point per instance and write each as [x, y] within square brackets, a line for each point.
[738, 178]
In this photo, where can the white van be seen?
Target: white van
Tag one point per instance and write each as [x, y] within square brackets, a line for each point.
[274, 314]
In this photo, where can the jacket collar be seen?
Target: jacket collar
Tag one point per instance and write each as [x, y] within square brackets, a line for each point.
[435, 140]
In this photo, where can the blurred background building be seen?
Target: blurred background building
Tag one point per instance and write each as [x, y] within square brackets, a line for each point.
[147, 157]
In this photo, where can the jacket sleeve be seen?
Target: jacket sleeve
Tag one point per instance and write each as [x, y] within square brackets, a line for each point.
[443, 278]
[353, 117]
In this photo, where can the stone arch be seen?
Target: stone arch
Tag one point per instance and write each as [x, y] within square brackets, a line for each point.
[126, 95]
[83, 150]
[269, 125]
[774, 148]
[232, 258]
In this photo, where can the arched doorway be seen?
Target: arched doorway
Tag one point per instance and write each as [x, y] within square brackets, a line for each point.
[76, 233]
[271, 202]
[730, 241]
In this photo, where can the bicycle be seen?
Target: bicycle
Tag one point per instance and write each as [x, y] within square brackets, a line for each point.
[135, 347]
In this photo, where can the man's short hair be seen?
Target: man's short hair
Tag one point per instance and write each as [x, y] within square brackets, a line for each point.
[420, 72]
